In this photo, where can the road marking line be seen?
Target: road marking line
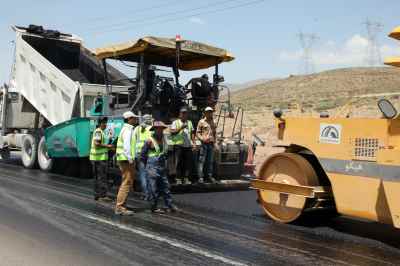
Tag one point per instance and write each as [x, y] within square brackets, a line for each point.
[168, 241]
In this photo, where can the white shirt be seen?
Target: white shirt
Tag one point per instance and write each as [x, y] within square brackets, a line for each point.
[126, 136]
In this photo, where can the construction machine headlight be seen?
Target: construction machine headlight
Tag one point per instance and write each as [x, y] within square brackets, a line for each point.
[387, 109]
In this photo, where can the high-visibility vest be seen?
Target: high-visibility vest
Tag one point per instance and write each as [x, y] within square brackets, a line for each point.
[178, 139]
[157, 151]
[98, 153]
[120, 144]
[141, 137]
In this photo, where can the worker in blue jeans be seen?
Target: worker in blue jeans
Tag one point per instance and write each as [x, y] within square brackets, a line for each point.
[142, 134]
[154, 157]
[206, 134]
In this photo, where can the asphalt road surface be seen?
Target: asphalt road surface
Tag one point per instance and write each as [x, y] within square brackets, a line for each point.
[50, 219]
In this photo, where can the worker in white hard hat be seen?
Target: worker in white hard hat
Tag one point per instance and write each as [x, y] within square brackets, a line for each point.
[126, 161]
[206, 134]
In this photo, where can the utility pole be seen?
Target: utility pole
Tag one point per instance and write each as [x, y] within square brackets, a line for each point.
[307, 42]
[373, 53]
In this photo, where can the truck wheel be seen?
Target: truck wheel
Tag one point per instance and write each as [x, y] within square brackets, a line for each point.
[291, 169]
[29, 152]
[45, 163]
[5, 154]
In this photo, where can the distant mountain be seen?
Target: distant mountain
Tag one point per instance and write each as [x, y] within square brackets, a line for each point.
[252, 83]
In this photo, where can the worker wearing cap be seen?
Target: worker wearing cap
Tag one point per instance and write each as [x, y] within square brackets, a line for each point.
[206, 134]
[142, 134]
[183, 137]
[99, 159]
[126, 161]
[154, 157]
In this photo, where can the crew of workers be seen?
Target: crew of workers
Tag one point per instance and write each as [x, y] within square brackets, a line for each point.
[142, 151]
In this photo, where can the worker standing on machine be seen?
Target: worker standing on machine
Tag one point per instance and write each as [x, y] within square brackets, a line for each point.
[99, 159]
[182, 136]
[142, 134]
[154, 157]
[126, 161]
[206, 133]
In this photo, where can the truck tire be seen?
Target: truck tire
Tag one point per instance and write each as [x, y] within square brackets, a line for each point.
[29, 152]
[45, 163]
[5, 154]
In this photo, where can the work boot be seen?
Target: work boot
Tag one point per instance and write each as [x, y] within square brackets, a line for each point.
[157, 211]
[186, 181]
[179, 181]
[104, 199]
[123, 212]
[212, 180]
[172, 208]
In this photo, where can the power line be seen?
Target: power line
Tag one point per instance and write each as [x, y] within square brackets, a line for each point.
[307, 42]
[130, 12]
[165, 15]
[373, 53]
[226, 8]
[135, 21]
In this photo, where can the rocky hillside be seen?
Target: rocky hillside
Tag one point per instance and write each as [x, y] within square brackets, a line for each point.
[309, 95]
[322, 91]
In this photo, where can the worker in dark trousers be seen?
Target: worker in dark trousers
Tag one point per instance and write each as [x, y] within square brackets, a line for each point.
[183, 138]
[154, 157]
[142, 134]
[99, 159]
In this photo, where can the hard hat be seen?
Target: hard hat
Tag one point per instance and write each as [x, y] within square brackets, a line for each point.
[147, 119]
[158, 124]
[128, 115]
[209, 109]
[183, 109]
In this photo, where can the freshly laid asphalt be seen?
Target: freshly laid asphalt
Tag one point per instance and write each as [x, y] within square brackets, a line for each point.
[48, 219]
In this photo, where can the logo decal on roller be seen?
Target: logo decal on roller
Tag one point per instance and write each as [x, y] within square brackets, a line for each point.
[330, 133]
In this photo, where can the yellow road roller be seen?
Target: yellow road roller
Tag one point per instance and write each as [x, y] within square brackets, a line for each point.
[350, 164]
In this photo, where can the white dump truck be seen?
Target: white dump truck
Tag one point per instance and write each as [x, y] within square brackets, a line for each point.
[54, 78]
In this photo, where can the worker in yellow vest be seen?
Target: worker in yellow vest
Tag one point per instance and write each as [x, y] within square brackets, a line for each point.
[142, 134]
[154, 157]
[99, 159]
[183, 139]
[126, 146]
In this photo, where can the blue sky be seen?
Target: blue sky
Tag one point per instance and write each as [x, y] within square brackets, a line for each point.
[261, 34]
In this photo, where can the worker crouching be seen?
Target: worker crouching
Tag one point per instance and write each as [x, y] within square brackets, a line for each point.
[154, 157]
